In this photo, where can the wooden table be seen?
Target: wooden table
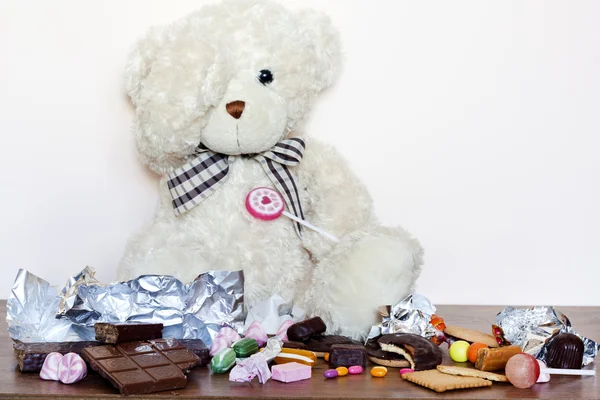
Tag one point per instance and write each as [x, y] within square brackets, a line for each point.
[201, 383]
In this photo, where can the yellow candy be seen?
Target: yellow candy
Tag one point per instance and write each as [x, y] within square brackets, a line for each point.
[326, 356]
[342, 371]
[379, 372]
[295, 355]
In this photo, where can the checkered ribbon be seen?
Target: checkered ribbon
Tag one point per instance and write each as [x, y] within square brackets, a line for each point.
[198, 178]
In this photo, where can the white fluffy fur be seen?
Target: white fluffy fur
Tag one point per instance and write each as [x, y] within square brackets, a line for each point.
[180, 77]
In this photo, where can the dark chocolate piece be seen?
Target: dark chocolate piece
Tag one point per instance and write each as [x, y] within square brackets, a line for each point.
[347, 355]
[294, 345]
[30, 356]
[323, 343]
[565, 351]
[420, 352]
[198, 347]
[303, 331]
[126, 332]
[142, 367]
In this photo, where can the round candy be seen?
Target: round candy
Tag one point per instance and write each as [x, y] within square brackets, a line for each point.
[342, 371]
[71, 369]
[522, 370]
[264, 203]
[330, 373]
[326, 357]
[379, 372]
[473, 349]
[458, 350]
[355, 369]
[406, 371]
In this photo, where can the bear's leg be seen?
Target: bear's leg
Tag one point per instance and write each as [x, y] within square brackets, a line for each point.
[367, 269]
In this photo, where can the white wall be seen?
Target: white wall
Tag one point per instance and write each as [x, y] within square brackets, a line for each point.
[480, 119]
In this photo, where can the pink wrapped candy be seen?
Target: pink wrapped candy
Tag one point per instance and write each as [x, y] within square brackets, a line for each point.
[49, 371]
[282, 331]
[230, 334]
[71, 369]
[220, 343]
[257, 332]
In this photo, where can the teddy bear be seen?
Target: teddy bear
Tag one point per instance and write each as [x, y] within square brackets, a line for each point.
[220, 98]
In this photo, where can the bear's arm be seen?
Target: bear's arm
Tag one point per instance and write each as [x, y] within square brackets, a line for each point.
[333, 197]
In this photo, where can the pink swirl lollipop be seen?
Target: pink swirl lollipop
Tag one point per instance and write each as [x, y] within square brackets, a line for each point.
[266, 204]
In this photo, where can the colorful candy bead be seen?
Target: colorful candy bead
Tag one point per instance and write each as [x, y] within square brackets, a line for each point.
[326, 357]
[330, 373]
[379, 372]
[406, 371]
[342, 371]
[355, 370]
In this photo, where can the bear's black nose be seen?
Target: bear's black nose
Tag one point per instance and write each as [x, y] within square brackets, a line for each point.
[235, 108]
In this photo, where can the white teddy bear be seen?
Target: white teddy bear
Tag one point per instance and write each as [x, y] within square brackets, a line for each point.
[219, 96]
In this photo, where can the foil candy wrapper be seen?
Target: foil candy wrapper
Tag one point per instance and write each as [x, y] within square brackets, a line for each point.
[31, 310]
[532, 328]
[188, 311]
[411, 315]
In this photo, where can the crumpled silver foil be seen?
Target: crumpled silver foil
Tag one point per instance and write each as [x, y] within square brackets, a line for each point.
[532, 328]
[411, 315]
[31, 309]
[188, 311]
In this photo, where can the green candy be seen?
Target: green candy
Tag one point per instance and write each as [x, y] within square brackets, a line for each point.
[223, 361]
[245, 347]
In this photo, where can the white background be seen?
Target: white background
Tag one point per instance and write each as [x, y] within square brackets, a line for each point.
[479, 120]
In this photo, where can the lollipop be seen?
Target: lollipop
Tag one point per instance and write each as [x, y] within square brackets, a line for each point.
[266, 204]
[523, 371]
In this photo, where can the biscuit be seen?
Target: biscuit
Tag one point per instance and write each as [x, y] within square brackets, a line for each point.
[475, 373]
[435, 380]
[470, 335]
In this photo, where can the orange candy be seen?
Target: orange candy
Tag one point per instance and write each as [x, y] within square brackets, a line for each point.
[472, 351]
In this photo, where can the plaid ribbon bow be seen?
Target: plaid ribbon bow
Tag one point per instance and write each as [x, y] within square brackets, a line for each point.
[198, 178]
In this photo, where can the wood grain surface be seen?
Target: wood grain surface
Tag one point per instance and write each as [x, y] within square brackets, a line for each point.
[201, 383]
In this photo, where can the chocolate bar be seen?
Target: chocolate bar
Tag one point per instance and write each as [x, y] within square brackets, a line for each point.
[30, 356]
[142, 367]
[303, 331]
[198, 347]
[126, 332]
[323, 343]
[347, 355]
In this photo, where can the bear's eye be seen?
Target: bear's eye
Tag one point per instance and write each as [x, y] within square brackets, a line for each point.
[265, 76]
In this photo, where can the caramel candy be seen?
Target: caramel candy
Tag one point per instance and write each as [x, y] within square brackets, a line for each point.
[303, 331]
[565, 351]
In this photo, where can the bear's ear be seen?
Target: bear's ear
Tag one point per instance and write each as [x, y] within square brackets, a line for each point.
[317, 28]
[140, 60]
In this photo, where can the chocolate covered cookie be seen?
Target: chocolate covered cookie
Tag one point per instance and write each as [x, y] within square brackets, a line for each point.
[421, 353]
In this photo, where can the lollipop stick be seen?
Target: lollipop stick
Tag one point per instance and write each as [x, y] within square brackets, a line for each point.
[311, 226]
[557, 371]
